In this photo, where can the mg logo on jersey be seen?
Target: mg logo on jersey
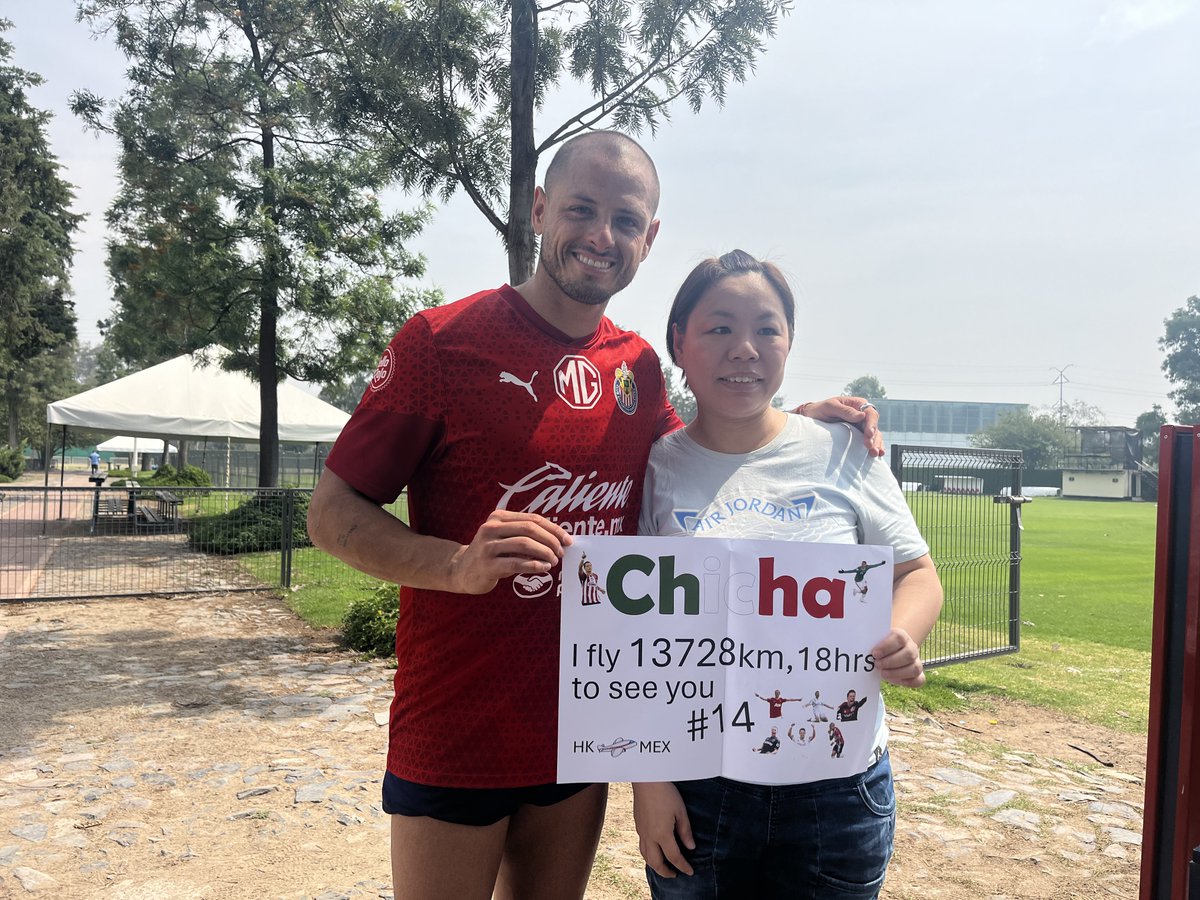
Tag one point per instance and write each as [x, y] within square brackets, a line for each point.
[577, 382]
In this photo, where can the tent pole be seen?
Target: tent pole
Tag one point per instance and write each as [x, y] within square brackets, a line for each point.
[47, 455]
[62, 472]
[316, 462]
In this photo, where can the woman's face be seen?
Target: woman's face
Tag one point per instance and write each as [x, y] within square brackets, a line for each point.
[734, 347]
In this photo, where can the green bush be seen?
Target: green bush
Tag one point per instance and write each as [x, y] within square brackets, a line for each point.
[169, 476]
[254, 526]
[370, 622]
[12, 462]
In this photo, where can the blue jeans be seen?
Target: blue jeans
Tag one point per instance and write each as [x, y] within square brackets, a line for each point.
[827, 839]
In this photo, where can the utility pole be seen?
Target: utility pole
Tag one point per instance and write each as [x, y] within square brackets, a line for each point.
[1060, 381]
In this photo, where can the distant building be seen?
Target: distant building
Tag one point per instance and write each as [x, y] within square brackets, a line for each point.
[938, 423]
[1105, 462]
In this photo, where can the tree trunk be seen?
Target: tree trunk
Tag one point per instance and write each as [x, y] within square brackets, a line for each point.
[268, 338]
[522, 247]
[14, 419]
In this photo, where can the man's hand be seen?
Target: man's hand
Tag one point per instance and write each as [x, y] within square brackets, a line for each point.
[849, 409]
[506, 544]
[660, 816]
[898, 658]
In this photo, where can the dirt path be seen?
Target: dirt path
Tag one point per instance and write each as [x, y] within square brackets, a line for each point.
[216, 747]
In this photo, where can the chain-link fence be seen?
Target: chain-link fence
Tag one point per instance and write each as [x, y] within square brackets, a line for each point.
[967, 504]
[137, 540]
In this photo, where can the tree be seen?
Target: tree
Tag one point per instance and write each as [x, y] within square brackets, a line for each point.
[245, 218]
[452, 88]
[1075, 414]
[1181, 343]
[345, 394]
[97, 364]
[1040, 438]
[865, 386]
[1148, 425]
[37, 316]
[680, 396]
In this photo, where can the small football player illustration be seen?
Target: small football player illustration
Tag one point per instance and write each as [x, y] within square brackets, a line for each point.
[837, 743]
[770, 746]
[801, 736]
[589, 581]
[815, 705]
[776, 703]
[860, 573]
[848, 711]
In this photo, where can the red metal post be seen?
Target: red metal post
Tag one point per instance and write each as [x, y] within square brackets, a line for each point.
[1171, 827]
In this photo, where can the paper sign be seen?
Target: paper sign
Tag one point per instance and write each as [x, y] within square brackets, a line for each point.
[685, 658]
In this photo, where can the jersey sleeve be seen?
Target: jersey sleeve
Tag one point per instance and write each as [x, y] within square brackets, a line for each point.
[399, 421]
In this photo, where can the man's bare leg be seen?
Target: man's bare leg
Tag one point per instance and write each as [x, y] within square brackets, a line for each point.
[435, 860]
[550, 849]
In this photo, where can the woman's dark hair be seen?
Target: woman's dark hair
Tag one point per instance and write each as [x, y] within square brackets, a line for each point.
[708, 273]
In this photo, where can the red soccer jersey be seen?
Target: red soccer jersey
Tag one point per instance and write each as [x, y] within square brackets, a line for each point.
[480, 405]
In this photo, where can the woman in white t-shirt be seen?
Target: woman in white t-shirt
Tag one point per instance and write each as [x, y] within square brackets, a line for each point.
[730, 329]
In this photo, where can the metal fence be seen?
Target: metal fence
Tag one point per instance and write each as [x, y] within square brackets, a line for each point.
[968, 506]
[58, 543]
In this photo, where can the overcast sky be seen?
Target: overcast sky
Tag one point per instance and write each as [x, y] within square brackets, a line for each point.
[966, 196]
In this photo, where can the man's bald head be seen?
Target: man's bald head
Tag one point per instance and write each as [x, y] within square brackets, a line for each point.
[606, 148]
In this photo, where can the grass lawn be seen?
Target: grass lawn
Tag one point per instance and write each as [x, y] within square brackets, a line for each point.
[1087, 580]
[322, 587]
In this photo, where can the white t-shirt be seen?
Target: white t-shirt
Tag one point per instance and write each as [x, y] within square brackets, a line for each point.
[814, 482]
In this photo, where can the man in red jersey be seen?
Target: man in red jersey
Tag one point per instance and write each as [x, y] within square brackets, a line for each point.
[516, 417]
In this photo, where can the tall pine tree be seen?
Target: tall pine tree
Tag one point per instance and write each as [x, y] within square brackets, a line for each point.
[245, 218]
[37, 316]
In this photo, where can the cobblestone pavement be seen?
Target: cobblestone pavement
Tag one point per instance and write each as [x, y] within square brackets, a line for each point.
[214, 747]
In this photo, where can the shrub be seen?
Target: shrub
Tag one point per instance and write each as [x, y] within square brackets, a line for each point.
[169, 476]
[254, 526]
[369, 625]
[12, 462]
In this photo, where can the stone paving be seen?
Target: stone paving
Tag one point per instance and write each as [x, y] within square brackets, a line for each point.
[213, 747]
[251, 739]
[1015, 823]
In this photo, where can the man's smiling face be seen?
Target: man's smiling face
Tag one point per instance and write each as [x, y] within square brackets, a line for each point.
[596, 221]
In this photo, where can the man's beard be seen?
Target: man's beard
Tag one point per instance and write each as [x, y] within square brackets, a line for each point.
[584, 292]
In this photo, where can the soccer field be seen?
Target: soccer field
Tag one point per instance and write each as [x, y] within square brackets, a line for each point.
[1087, 582]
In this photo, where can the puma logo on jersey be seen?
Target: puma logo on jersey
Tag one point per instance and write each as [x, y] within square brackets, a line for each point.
[510, 378]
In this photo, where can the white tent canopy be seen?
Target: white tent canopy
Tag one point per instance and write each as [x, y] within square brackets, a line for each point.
[184, 397]
[126, 444]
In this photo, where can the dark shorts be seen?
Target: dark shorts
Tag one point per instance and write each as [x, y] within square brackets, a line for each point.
[468, 806]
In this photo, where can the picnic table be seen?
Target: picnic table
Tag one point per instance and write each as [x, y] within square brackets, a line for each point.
[114, 507]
